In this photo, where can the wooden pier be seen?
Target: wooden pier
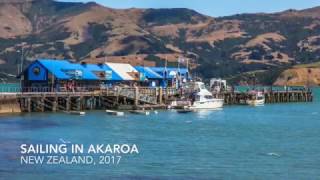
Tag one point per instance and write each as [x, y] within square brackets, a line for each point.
[133, 98]
[236, 98]
[110, 98]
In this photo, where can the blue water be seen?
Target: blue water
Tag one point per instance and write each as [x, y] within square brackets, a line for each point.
[279, 141]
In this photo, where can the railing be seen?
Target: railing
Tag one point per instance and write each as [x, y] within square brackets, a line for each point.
[148, 95]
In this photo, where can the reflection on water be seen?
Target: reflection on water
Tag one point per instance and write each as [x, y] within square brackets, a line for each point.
[205, 113]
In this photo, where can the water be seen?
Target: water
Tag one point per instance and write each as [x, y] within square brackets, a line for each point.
[279, 141]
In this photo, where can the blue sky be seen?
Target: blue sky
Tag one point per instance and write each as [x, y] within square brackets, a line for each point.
[213, 7]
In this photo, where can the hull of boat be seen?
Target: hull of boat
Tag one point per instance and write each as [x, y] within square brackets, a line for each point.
[256, 102]
[215, 104]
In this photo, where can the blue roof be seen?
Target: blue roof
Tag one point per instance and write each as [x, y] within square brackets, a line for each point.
[149, 73]
[65, 70]
[162, 70]
[55, 67]
[59, 69]
[103, 67]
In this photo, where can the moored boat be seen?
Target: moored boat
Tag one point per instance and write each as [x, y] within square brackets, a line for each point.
[184, 110]
[142, 112]
[81, 113]
[256, 99]
[203, 99]
[115, 113]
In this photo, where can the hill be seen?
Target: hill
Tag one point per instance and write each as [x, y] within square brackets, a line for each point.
[230, 47]
[300, 75]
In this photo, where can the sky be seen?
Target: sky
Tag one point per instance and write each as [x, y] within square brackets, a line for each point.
[213, 8]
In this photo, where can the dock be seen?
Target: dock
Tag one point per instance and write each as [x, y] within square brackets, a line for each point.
[111, 98]
[134, 98]
[236, 98]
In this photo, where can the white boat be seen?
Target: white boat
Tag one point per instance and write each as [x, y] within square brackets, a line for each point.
[257, 99]
[178, 104]
[115, 113]
[203, 99]
[141, 112]
[81, 113]
[184, 110]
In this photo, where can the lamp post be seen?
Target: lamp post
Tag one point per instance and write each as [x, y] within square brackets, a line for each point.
[20, 66]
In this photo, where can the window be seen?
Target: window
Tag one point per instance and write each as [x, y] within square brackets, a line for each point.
[36, 70]
[260, 98]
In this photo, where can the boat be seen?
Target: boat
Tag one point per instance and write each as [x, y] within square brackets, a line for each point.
[203, 99]
[184, 110]
[81, 113]
[179, 104]
[142, 112]
[256, 98]
[115, 113]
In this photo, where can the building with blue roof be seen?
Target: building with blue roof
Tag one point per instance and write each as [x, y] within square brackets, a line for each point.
[59, 74]
[151, 78]
[172, 76]
[171, 72]
[103, 72]
[63, 74]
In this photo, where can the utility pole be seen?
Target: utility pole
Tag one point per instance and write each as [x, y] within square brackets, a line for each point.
[20, 67]
[105, 59]
[188, 69]
[22, 59]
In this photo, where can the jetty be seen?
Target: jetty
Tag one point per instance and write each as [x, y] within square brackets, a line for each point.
[77, 102]
[138, 99]
[236, 98]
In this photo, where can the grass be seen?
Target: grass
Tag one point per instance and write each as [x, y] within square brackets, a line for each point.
[311, 65]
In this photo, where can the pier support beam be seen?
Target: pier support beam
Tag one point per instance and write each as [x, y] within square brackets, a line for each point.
[55, 104]
[136, 96]
[160, 95]
[42, 104]
[29, 105]
[68, 103]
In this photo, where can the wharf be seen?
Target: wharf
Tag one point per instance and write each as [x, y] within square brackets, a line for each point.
[114, 98]
[236, 98]
[107, 98]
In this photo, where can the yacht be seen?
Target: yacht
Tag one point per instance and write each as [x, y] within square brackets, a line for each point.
[203, 99]
[256, 99]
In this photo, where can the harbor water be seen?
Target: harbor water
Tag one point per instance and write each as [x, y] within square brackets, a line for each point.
[276, 141]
